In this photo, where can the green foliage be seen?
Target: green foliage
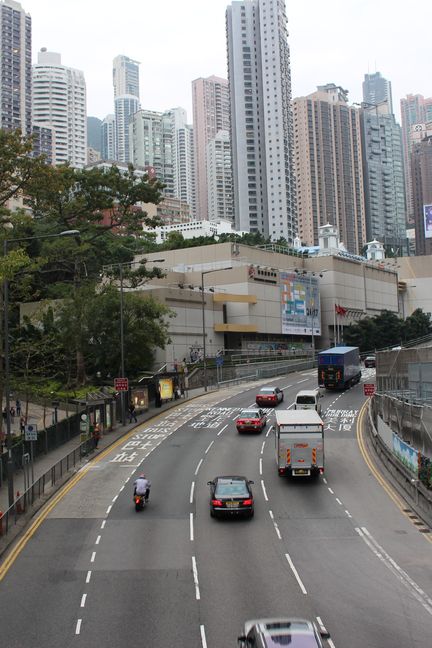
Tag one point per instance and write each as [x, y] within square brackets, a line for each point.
[417, 325]
[386, 330]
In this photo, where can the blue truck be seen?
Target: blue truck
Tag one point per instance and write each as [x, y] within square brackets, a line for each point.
[339, 367]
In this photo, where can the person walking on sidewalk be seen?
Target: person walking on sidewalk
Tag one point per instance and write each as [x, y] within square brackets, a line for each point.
[132, 414]
[96, 434]
[18, 407]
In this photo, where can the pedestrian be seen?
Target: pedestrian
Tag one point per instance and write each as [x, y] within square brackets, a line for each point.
[12, 413]
[22, 424]
[18, 407]
[5, 415]
[96, 434]
[158, 398]
[132, 414]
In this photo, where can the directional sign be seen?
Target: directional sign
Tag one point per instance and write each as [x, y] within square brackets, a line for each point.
[369, 389]
[121, 384]
[30, 432]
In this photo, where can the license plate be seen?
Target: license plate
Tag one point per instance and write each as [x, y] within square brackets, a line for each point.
[232, 504]
[301, 471]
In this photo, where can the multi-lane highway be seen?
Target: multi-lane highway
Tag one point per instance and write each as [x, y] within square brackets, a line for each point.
[340, 549]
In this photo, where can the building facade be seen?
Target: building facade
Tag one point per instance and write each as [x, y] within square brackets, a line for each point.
[125, 76]
[377, 89]
[219, 178]
[329, 167]
[415, 109]
[125, 106]
[151, 145]
[59, 102]
[210, 104]
[421, 180]
[108, 138]
[183, 157]
[261, 126]
[43, 138]
[15, 68]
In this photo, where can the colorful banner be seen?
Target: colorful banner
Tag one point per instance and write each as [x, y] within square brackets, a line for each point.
[405, 453]
[166, 388]
[427, 211]
[300, 301]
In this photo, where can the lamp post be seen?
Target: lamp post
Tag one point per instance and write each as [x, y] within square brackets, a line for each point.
[6, 385]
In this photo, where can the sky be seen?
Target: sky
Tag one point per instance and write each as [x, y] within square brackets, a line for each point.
[176, 41]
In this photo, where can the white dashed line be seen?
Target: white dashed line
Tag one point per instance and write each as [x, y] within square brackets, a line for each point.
[269, 430]
[191, 493]
[302, 381]
[271, 515]
[195, 576]
[264, 490]
[92, 559]
[203, 637]
[191, 527]
[198, 466]
[260, 466]
[108, 509]
[83, 600]
[209, 446]
[98, 539]
[295, 572]
[330, 490]
[324, 480]
[338, 501]
[103, 524]
[88, 576]
[262, 447]
[222, 429]
[78, 627]
[233, 419]
[348, 513]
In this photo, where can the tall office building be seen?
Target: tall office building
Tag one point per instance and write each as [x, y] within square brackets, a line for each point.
[124, 107]
[329, 167]
[108, 138]
[383, 175]
[421, 175]
[15, 67]
[219, 177]
[377, 89]
[415, 109]
[261, 118]
[210, 104]
[59, 101]
[125, 76]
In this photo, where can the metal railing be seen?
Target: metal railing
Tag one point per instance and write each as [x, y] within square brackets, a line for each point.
[37, 490]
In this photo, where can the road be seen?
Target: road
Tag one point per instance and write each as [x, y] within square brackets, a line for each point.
[340, 549]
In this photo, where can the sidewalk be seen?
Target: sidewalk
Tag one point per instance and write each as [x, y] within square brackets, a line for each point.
[36, 415]
[43, 463]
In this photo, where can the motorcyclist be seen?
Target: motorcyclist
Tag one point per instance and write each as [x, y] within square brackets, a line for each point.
[142, 486]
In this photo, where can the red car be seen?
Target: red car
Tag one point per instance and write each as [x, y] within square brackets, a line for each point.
[251, 420]
[269, 397]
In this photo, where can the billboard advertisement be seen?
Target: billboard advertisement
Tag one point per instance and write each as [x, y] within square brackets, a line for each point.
[300, 302]
[427, 211]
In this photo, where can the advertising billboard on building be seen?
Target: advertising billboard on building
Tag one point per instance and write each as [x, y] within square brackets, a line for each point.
[427, 211]
[300, 302]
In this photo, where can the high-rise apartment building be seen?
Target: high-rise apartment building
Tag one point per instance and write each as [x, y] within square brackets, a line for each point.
[377, 89]
[329, 167]
[125, 106]
[261, 124]
[210, 104]
[125, 76]
[383, 175]
[15, 67]
[183, 157]
[108, 138]
[421, 175]
[415, 109]
[219, 177]
[59, 101]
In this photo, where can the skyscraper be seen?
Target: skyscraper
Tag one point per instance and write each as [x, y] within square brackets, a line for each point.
[183, 157]
[59, 101]
[210, 104]
[15, 67]
[329, 166]
[415, 109]
[377, 89]
[125, 76]
[219, 177]
[261, 118]
[124, 107]
[108, 138]
[421, 172]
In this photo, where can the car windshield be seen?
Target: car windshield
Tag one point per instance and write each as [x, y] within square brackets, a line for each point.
[292, 640]
[370, 358]
[249, 414]
[267, 390]
[231, 488]
[305, 400]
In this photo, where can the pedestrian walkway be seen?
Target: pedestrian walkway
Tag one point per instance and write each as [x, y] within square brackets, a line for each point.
[43, 463]
[34, 414]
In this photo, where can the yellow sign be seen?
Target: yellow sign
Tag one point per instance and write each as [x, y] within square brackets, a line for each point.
[166, 388]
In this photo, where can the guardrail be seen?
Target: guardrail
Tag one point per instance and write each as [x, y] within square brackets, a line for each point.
[268, 372]
[36, 491]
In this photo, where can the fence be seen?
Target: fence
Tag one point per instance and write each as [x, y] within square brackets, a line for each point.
[37, 490]
[406, 373]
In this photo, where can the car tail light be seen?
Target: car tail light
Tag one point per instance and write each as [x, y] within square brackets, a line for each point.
[281, 471]
[216, 502]
[240, 422]
[247, 502]
[321, 471]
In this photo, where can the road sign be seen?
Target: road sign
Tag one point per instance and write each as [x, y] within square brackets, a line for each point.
[30, 432]
[219, 361]
[121, 384]
[369, 389]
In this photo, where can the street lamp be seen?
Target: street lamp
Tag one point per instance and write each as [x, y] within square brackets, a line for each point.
[6, 386]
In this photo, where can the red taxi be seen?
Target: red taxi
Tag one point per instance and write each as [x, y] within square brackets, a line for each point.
[251, 420]
[269, 397]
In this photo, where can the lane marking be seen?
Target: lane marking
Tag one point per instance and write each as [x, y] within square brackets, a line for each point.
[103, 524]
[195, 576]
[295, 572]
[235, 417]
[338, 501]
[222, 429]
[262, 447]
[269, 430]
[203, 637]
[83, 600]
[209, 446]
[302, 381]
[121, 489]
[88, 576]
[98, 539]
[198, 467]
[391, 564]
[264, 490]
[348, 513]
[260, 466]
[271, 514]
[330, 490]
[108, 509]
[92, 559]
[191, 493]
[323, 629]
[324, 480]
[191, 527]
[78, 627]
[278, 533]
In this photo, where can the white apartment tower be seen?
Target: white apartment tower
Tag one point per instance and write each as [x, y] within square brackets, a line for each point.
[125, 76]
[261, 118]
[183, 157]
[59, 102]
[108, 138]
[210, 103]
[124, 107]
[219, 177]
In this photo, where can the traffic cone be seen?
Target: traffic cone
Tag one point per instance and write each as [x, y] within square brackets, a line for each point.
[18, 503]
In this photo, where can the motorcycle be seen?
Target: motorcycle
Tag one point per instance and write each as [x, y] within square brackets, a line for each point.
[140, 502]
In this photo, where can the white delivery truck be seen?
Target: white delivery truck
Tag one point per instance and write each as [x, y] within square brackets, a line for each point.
[308, 399]
[299, 439]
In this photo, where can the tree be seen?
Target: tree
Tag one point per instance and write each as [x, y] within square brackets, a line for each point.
[417, 325]
[376, 332]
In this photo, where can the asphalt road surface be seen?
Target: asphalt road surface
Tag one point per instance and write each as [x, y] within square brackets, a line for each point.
[341, 550]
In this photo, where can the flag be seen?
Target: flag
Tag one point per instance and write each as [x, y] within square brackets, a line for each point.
[340, 310]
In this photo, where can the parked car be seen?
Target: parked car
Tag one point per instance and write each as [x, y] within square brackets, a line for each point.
[231, 495]
[297, 633]
[370, 361]
[251, 420]
[269, 397]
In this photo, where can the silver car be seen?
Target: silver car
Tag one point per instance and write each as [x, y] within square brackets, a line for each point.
[272, 633]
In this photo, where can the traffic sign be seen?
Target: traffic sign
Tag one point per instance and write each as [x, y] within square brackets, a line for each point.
[30, 432]
[369, 389]
[219, 361]
[121, 384]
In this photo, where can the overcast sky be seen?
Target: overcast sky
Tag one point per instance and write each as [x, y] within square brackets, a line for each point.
[177, 41]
